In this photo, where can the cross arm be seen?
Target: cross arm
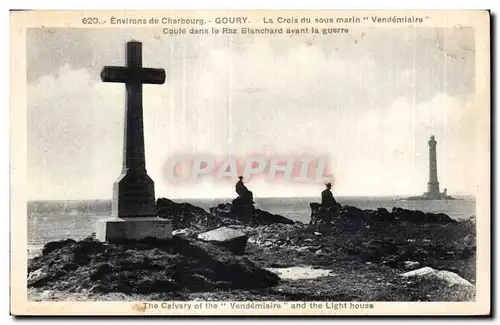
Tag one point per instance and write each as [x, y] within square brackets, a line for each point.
[125, 75]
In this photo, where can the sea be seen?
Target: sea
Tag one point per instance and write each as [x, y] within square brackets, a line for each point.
[59, 220]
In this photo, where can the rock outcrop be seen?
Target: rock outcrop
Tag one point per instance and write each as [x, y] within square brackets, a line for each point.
[147, 266]
[259, 217]
[358, 217]
[363, 249]
[186, 215]
[416, 216]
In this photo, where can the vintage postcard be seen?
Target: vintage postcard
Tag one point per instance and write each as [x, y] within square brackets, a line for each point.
[250, 162]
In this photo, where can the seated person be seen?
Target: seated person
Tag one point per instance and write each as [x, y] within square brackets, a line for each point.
[244, 201]
[241, 189]
[327, 199]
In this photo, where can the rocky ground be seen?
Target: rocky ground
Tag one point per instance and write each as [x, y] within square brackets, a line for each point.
[364, 254]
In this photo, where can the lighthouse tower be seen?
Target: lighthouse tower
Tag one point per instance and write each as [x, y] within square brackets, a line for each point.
[432, 192]
[433, 184]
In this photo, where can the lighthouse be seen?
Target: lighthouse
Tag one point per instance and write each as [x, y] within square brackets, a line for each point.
[433, 184]
[432, 192]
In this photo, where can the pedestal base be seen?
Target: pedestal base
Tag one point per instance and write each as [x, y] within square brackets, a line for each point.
[133, 195]
[133, 228]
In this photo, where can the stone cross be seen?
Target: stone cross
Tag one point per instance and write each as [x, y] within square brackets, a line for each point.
[133, 192]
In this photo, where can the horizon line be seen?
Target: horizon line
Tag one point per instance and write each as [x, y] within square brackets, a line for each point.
[262, 197]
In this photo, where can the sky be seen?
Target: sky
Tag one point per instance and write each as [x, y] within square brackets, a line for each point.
[367, 101]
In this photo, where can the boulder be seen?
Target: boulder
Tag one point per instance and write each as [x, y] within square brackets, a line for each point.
[452, 278]
[38, 276]
[55, 245]
[47, 295]
[411, 265]
[321, 214]
[418, 272]
[305, 272]
[232, 239]
[185, 232]
[184, 215]
[448, 277]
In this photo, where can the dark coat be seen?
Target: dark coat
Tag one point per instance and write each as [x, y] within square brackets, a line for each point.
[327, 198]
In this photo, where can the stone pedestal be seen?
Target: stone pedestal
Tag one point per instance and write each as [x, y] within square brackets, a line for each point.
[133, 195]
[135, 228]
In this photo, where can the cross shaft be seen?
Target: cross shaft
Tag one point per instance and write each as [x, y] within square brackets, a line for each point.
[133, 76]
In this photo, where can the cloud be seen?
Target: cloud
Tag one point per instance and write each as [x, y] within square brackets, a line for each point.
[74, 135]
[388, 151]
[308, 101]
